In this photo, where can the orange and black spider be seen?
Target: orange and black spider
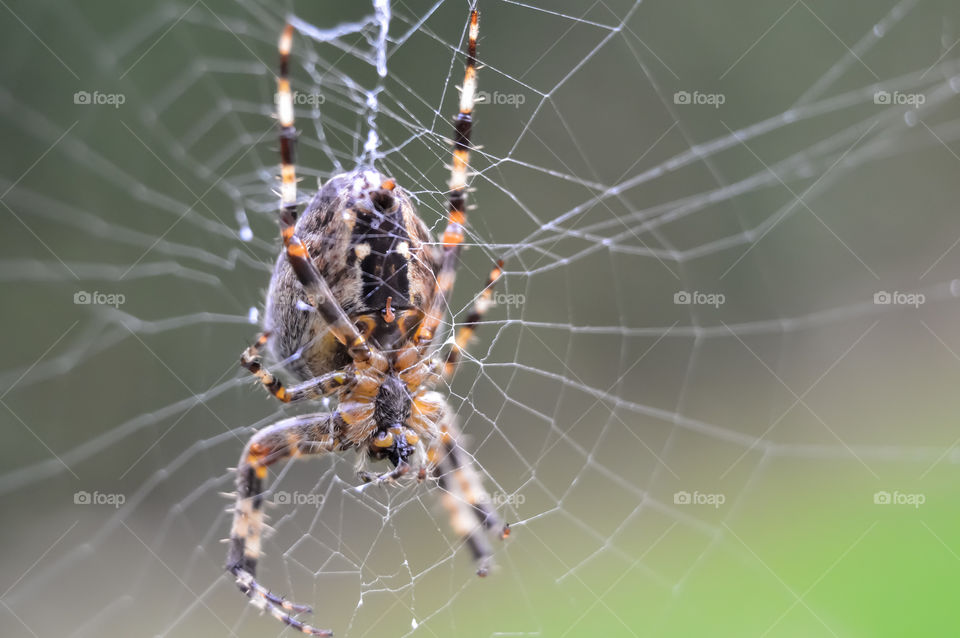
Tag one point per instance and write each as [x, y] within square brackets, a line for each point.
[355, 300]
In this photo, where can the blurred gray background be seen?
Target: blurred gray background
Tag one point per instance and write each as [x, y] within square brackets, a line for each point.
[774, 458]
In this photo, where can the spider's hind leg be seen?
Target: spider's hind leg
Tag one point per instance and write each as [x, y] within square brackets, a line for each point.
[453, 234]
[299, 258]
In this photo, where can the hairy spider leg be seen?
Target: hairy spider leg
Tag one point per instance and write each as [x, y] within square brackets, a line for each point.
[309, 434]
[452, 241]
[315, 287]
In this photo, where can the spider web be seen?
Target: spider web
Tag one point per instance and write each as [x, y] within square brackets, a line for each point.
[715, 395]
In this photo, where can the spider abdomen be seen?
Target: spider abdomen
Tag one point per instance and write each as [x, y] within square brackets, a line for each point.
[370, 246]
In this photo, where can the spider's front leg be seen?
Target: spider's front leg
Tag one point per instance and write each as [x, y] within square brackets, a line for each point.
[464, 497]
[288, 439]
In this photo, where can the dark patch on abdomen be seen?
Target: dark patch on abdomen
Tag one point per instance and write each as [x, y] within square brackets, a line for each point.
[384, 270]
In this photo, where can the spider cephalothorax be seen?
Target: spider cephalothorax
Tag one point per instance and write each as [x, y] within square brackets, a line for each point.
[356, 298]
[391, 409]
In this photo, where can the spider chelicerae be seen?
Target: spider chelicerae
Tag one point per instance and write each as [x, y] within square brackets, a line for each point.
[356, 298]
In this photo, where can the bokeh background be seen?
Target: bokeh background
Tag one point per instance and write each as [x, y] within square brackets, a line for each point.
[776, 458]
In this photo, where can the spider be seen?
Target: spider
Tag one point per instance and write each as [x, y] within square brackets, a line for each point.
[355, 300]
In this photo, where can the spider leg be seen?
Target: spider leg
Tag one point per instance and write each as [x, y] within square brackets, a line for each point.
[288, 439]
[314, 285]
[464, 497]
[470, 483]
[457, 197]
[385, 477]
[311, 389]
[466, 330]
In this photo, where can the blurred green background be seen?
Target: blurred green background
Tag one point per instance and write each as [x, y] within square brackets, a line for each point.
[789, 161]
